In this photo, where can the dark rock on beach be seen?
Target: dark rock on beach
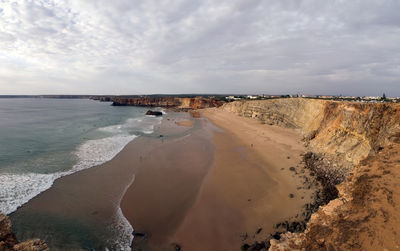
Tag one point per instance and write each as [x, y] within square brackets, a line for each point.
[140, 234]
[255, 247]
[155, 113]
[177, 247]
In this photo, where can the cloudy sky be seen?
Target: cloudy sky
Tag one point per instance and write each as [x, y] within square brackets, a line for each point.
[225, 46]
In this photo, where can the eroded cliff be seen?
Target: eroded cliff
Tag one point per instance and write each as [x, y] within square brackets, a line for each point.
[349, 130]
[359, 141]
[168, 102]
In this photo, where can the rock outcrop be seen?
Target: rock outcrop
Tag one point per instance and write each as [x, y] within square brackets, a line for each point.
[8, 241]
[364, 216]
[154, 113]
[168, 102]
[359, 141]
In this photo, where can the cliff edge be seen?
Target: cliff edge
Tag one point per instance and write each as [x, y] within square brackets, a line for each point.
[8, 241]
[359, 143]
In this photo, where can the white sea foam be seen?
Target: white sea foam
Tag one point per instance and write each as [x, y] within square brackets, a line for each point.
[17, 189]
[98, 151]
[123, 230]
[121, 227]
[112, 129]
[142, 124]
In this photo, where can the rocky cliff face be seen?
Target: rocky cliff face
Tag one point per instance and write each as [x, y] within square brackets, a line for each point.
[361, 142]
[365, 216]
[8, 241]
[349, 130]
[169, 102]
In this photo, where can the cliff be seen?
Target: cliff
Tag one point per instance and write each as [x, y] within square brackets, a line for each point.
[346, 129]
[8, 241]
[359, 144]
[168, 102]
[365, 216]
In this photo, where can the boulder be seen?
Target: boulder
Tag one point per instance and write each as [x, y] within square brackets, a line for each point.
[8, 241]
[34, 245]
[155, 113]
[7, 238]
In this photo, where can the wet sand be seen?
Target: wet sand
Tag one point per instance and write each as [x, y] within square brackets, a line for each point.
[195, 185]
[78, 209]
[166, 185]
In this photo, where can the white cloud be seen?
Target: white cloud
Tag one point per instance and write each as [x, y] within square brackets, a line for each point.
[132, 47]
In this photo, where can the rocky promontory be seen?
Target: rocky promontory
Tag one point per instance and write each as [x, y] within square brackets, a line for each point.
[8, 241]
[167, 102]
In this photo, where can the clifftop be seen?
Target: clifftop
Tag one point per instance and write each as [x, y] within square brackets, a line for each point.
[8, 241]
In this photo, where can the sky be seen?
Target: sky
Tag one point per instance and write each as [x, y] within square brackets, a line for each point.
[121, 47]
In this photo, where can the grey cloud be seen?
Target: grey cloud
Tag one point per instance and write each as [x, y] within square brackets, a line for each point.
[239, 46]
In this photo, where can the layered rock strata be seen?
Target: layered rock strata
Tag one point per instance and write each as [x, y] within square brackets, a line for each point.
[364, 216]
[168, 102]
[358, 141]
[349, 131]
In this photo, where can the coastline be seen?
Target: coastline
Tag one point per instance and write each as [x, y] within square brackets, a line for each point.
[246, 156]
[199, 183]
[234, 199]
[85, 204]
[167, 182]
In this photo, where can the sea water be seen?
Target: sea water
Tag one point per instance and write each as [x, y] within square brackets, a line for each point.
[44, 139]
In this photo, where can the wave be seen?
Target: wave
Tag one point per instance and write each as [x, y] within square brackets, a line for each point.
[99, 151]
[17, 189]
[142, 125]
[121, 227]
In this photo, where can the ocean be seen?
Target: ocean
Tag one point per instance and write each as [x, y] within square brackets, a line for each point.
[42, 140]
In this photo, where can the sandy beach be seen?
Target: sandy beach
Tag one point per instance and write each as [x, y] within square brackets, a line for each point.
[208, 182]
[216, 187]
[78, 210]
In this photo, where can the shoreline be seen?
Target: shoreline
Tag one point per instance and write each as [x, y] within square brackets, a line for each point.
[216, 208]
[87, 201]
[166, 185]
[184, 186]
[219, 208]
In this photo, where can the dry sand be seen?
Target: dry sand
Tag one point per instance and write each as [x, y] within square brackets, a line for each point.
[200, 186]
[188, 123]
[246, 190]
[206, 196]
